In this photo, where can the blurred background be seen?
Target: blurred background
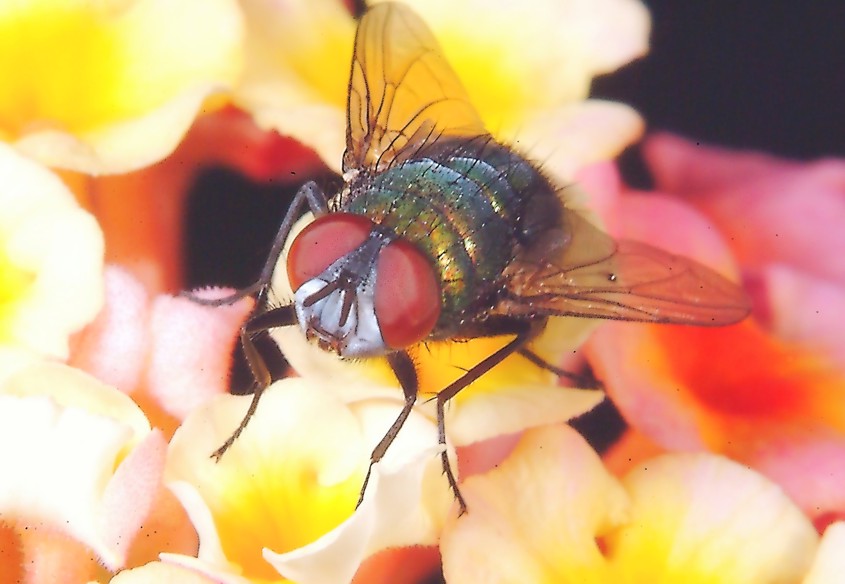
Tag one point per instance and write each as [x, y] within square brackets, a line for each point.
[755, 74]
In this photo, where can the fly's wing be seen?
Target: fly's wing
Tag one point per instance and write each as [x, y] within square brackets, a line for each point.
[402, 92]
[596, 276]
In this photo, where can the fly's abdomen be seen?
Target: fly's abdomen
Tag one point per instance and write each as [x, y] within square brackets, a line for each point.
[461, 205]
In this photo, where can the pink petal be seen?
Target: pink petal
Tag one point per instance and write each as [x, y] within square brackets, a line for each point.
[773, 210]
[671, 225]
[114, 347]
[191, 351]
[131, 492]
[802, 308]
[685, 166]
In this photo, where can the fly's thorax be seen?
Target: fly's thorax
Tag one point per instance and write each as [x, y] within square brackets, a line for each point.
[464, 204]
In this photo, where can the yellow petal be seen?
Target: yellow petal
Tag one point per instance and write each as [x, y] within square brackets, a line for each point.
[569, 137]
[299, 54]
[51, 259]
[536, 517]
[111, 86]
[297, 69]
[514, 59]
[286, 491]
[539, 517]
[702, 518]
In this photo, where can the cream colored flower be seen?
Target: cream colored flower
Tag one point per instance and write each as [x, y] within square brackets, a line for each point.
[297, 67]
[51, 259]
[282, 500]
[111, 86]
[160, 573]
[527, 70]
[78, 458]
[552, 513]
[829, 565]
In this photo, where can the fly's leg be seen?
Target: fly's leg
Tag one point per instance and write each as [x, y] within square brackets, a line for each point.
[310, 194]
[524, 332]
[406, 373]
[273, 318]
[581, 381]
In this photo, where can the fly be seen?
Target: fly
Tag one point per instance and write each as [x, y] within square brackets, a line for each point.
[442, 233]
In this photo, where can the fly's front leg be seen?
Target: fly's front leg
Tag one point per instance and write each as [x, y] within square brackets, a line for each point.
[310, 194]
[406, 373]
[273, 318]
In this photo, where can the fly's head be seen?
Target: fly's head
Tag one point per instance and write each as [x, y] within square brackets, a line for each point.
[360, 291]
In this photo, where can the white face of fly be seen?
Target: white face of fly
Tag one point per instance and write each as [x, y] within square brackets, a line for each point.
[337, 308]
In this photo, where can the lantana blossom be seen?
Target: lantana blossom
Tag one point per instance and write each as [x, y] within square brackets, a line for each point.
[829, 564]
[296, 81]
[552, 513]
[104, 87]
[90, 470]
[51, 259]
[167, 352]
[281, 501]
[762, 392]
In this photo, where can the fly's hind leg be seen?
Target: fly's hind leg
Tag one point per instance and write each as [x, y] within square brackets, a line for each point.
[524, 332]
[261, 373]
[310, 194]
[587, 381]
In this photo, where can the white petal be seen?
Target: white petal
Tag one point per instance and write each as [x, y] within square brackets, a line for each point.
[66, 444]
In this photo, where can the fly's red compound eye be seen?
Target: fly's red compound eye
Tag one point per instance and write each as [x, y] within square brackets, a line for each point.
[407, 301]
[323, 242]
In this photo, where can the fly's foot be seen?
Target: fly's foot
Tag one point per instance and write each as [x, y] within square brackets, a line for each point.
[453, 482]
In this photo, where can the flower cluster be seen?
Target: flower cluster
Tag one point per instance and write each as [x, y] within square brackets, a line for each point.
[114, 389]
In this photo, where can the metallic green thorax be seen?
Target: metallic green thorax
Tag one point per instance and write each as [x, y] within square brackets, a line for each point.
[461, 203]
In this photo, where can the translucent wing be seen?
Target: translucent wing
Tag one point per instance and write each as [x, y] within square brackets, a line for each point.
[596, 276]
[402, 92]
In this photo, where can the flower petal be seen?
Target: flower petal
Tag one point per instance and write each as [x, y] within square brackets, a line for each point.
[98, 465]
[312, 474]
[51, 259]
[113, 348]
[551, 513]
[297, 69]
[161, 573]
[567, 138]
[769, 404]
[756, 198]
[112, 86]
[581, 39]
[801, 308]
[829, 564]
[703, 518]
[191, 351]
[536, 517]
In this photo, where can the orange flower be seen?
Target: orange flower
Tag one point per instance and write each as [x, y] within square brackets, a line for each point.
[762, 392]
